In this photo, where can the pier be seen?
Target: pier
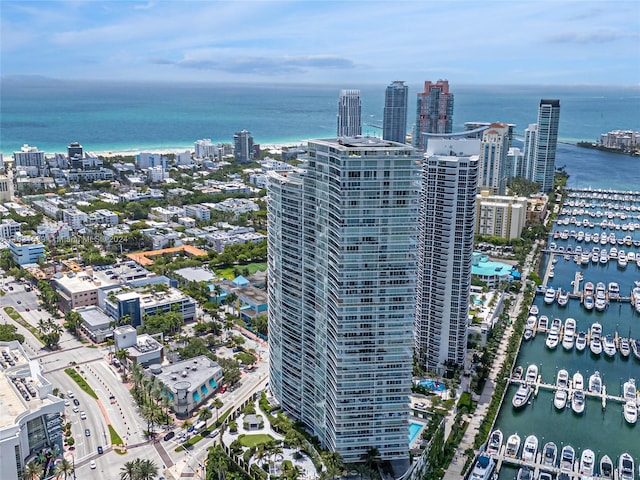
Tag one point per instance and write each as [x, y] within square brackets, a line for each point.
[552, 387]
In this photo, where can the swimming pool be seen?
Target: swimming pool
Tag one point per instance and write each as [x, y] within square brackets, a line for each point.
[414, 430]
[433, 385]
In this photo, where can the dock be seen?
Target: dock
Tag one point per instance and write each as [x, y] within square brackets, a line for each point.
[539, 384]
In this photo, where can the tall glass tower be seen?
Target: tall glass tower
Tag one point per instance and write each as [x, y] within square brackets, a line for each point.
[394, 125]
[547, 140]
[434, 112]
[445, 248]
[349, 114]
[341, 267]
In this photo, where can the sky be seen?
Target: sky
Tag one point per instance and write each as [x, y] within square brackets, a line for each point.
[524, 42]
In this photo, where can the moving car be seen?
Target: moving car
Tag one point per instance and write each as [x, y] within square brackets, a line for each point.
[87, 432]
[92, 464]
[100, 450]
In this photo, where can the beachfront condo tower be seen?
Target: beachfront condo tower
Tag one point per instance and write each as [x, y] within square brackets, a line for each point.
[434, 112]
[546, 142]
[341, 267]
[394, 124]
[445, 247]
[242, 147]
[494, 148]
[349, 114]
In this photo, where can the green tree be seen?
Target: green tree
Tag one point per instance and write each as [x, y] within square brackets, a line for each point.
[9, 333]
[73, 321]
[217, 404]
[204, 415]
[146, 470]
[129, 470]
[33, 471]
[64, 467]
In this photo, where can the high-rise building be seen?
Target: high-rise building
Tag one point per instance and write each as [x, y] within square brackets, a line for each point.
[349, 114]
[75, 153]
[394, 124]
[445, 247]
[515, 164]
[494, 147]
[29, 157]
[545, 160]
[529, 151]
[434, 112]
[341, 267]
[243, 147]
[500, 216]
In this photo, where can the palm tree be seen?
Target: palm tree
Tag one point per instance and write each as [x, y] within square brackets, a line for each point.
[33, 471]
[217, 403]
[129, 470]
[64, 467]
[372, 458]
[186, 424]
[137, 375]
[204, 415]
[122, 356]
[146, 470]
[217, 290]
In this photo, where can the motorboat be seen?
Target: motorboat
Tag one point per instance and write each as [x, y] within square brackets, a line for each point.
[635, 347]
[596, 330]
[600, 288]
[532, 374]
[513, 446]
[556, 325]
[483, 469]
[569, 334]
[629, 390]
[543, 323]
[529, 326]
[562, 379]
[614, 289]
[549, 295]
[595, 383]
[595, 345]
[606, 467]
[609, 345]
[495, 442]
[545, 476]
[589, 288]
[578, 401]
[552, 339]
[581, 341]
[524, 473]
[589, 302]
[626, 467]
[549, 454]
[587, 463]
[625, 348]
[567, 458]
[522, 396]
[518, 372]
[563, 298]
[601, 302]
[613, 253]
[560, 398]
[530, 448]
[534, 310]
[622, 260]
[631, 412]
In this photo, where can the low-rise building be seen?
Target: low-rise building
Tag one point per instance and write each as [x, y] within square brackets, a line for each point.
[190, 383]
[198, 212]
[500, 215]
[76, 289]
[30, 415]
[537, 206]
[74, 218]
[491, 272]
[9, 228]
[141, 301]
[95, 323]
[142, 349]
[26, 249]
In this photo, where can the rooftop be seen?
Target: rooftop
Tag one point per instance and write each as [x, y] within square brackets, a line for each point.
[481, 265]
[94, 317]
[195, 371]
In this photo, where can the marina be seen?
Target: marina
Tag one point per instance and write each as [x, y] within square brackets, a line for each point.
[585, 327]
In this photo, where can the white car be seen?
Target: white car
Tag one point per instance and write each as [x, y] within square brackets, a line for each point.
[76, 409]
[92, 464]
[67, 403]
[70, 394]
[83, 416]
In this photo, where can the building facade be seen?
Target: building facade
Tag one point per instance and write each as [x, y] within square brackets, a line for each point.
[341, 268]
[243, 147]
[349, 114]
[29, 157]
[434, 112]
[26, 249]
[547, 140]
[445, 246]
[500, 216]
[494, 147]
[394, 124]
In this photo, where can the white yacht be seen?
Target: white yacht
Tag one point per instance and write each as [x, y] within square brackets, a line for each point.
[578, 398]
[625, 348]
[584, 258]
[629, 390]
[596, 330]
[589, 302]
[595, 383]
[587, 463]
[581, 341]
[588, 288]
[495, 442]
[530, 448]
[556, 325]
[549, 454]
[549, 295]
[552, 339]
[626, 469]
[613, 253]
[622, 260]
[606, 467]
[521, 396]
[614, 289]
[601, 302]
[562, 379]
[595, 345]
[567, 458]
[569, 334]
[483, 469]
[543, 323]
[578, 381]
[529, 326]
[532, 374]
[524, 473]
[609, 346]
[631, 412]
[563, 297]
[513, 446]
[560, 398]
[534, 310]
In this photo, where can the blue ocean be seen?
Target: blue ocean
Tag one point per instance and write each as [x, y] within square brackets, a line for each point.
[110, 117]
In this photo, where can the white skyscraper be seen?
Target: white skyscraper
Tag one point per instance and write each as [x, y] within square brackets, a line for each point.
[529, 150]
[445, 247]
[341, 267]
[545, 165]
[493, 155]
[349, 114]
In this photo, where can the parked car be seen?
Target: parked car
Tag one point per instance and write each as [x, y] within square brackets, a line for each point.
[69, 394]
[76, 409]
[83, 416]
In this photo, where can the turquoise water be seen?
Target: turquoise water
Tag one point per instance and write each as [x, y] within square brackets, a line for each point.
[414, 430]
[433, 385]
[605, 432]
